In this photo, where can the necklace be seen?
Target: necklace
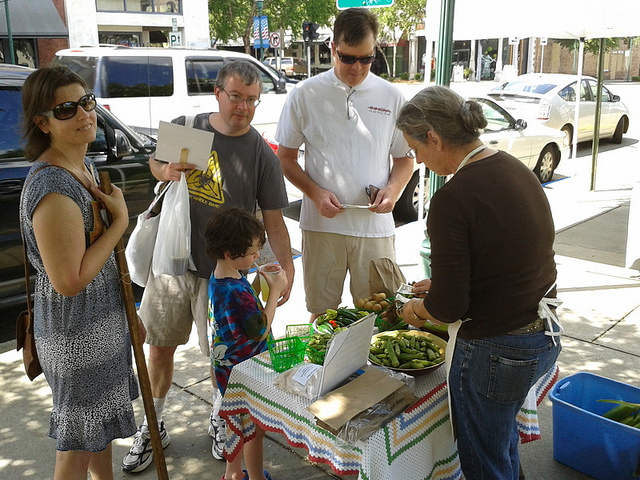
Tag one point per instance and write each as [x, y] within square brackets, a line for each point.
[469, 156]
[91, 178]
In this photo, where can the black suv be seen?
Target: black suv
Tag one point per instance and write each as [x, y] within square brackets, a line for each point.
[117, 149]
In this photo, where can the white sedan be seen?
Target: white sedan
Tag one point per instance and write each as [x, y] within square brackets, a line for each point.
[540, 148]
[550, 99]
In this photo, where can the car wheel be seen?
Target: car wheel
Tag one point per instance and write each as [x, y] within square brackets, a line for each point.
[617, 134]
[406, 208]
[546, 164]
[569, 132]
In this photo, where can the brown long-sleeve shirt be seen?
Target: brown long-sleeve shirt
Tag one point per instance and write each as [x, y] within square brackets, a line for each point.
[492, 257]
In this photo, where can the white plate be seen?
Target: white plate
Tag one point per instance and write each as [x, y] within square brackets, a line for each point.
[356, 206]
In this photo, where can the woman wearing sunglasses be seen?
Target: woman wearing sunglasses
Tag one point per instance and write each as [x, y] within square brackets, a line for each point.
[79, 321]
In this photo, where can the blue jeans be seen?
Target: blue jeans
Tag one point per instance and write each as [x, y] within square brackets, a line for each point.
[489, 381]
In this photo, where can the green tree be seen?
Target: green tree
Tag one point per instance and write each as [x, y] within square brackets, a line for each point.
[400, 21]
[233, 19]
[591, 45]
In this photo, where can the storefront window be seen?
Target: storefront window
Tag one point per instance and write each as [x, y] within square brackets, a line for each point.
[23, 49]
[124, 39]
[110, 5]
[153, 6]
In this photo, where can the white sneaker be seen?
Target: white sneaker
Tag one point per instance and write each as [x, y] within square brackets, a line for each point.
[140, 455]
[218, 432]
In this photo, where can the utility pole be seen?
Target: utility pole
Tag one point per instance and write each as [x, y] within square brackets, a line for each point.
[259, 4]
[444, 62]
[11, 52]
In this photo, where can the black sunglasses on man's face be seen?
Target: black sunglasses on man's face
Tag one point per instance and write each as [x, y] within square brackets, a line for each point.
[350, 59]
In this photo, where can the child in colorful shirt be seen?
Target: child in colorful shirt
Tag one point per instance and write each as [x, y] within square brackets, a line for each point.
[240, 325]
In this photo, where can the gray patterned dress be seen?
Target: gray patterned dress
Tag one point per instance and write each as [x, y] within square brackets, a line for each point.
[83, 341]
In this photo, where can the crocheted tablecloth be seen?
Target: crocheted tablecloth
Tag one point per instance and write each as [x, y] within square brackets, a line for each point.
[416, 445]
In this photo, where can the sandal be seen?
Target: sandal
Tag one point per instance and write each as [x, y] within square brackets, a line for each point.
[246, 475]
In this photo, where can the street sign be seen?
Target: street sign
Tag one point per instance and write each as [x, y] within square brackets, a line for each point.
[274, 40]
[344, 4]
[175, 39]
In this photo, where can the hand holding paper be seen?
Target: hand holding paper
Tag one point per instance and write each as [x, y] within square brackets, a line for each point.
[173, 138]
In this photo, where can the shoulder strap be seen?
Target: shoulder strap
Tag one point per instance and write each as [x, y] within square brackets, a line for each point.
[189, 120]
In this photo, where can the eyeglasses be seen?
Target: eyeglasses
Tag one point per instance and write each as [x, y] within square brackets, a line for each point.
[350, 60]
[411, 153]
[68, 110]
[237, 99]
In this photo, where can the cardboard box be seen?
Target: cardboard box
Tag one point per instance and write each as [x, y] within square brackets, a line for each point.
[356, 410]
[586, 441]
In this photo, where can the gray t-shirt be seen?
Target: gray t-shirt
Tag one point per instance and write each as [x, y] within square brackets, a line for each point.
[242, 171]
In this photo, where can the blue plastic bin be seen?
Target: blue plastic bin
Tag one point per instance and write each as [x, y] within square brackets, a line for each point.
[586, 441]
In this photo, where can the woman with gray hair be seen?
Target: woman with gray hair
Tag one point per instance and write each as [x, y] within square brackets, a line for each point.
[493, 277]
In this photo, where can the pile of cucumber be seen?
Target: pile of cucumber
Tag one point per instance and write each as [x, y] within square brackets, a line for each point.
[405, 351]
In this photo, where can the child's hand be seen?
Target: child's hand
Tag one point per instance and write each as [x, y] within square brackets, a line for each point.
[277, 283]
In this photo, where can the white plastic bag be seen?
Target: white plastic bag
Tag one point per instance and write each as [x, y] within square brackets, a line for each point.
[142, 240]
[172, 252]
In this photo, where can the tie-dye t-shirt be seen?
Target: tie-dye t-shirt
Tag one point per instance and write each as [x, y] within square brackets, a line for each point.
[237, 324]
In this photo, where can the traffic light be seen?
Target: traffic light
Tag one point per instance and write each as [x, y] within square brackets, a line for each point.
[310, 31]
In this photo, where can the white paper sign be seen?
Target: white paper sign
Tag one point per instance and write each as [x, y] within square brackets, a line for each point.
[304, 373]
[172, 138]
[347, 353]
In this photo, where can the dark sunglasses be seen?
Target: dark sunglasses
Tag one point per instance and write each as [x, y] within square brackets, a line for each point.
[68, 110]
[350, 60]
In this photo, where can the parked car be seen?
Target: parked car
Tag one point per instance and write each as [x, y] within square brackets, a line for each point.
[144, 86]
[117, 150]
[540, 148]
[550, 99]
[293, 67]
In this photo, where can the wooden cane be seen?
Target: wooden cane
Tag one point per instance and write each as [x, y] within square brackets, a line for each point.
[138, 352]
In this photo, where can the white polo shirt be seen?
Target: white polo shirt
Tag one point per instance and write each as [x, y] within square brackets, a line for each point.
[350, 137]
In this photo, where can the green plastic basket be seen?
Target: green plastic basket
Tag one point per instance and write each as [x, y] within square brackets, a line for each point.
[285, 353]
[302, 331]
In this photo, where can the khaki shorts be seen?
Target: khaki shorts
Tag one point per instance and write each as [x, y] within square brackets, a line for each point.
[326, 258]
[170, 305]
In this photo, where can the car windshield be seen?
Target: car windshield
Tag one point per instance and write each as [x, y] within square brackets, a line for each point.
[10, 108]
[497, 119]
[528, 86]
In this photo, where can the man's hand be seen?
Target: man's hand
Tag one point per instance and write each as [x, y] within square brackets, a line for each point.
[327, 203]
[166, 172]
[385, 201]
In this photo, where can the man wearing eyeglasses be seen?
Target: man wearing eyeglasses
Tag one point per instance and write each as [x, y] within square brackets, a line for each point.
[346, 119]
[243, 171]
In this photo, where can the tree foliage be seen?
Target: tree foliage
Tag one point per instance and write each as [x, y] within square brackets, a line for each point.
[401, 19]
[591, 45]
[233, 19]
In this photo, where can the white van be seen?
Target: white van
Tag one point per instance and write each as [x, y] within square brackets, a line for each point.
[143, 86]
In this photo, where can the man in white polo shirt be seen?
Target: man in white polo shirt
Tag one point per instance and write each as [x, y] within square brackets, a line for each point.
[346, 120]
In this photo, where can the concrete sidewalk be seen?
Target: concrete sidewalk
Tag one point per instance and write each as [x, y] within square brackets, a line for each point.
[600, 316]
